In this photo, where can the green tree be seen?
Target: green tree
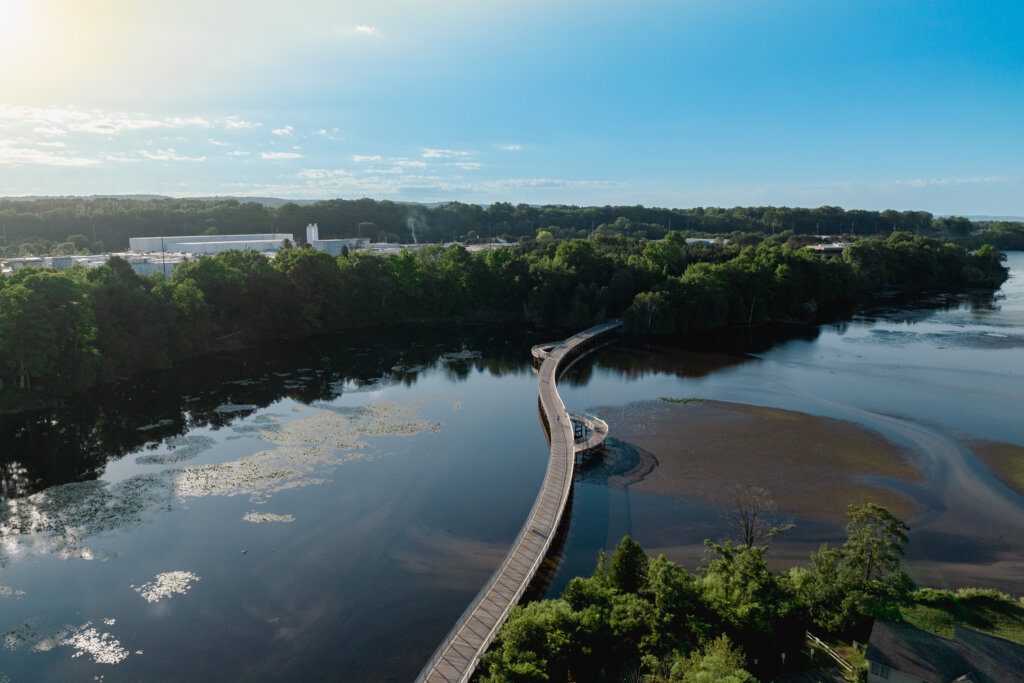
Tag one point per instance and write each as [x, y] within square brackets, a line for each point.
[717, 662]
[628, 570]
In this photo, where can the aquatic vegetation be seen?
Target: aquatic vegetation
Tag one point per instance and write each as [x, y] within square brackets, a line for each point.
[268, 517]
[181, 448]
[166, 585]
[102, 647]
[229, 408]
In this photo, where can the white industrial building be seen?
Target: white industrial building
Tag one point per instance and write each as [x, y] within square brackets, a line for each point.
[142, 264]
[208, 244]
[333, 247]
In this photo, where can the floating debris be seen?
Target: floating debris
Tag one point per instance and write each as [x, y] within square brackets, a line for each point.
[155, 425]
[7, 591]
[59, 520]
[166, 585]
[110, 622]
[268, 518]
[181, 447]
[102, 647]
[455, 356]
[230, 408]
[24, 634]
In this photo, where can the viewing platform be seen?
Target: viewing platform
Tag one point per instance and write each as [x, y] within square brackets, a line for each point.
[568, 436]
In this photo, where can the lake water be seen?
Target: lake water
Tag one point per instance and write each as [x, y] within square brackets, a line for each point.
[934, 378]
[327, 509]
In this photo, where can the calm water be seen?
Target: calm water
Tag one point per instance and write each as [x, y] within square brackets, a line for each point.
[327, 509]
[321, 510]
[933, 378]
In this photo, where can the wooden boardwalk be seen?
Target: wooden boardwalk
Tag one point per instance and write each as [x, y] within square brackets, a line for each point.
[458, 655]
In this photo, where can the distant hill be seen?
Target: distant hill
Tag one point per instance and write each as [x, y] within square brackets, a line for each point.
[1017, 219]
[270, 202]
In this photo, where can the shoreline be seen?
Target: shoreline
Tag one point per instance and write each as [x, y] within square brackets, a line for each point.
[668, 475]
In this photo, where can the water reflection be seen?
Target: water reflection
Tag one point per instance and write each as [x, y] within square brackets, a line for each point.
[76, 439]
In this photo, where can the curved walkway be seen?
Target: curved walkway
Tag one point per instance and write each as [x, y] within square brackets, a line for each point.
[458, 655]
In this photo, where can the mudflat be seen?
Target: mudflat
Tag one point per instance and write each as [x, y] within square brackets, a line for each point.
[813, 467]
[1006, 460]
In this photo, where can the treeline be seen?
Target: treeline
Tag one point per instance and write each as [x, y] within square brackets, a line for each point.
[63, 331]
[1004, 235]
[775, 282]
[648, 619]
[75, 225]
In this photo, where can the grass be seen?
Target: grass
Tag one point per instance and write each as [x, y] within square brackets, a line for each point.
[690, 399]
[982, 610]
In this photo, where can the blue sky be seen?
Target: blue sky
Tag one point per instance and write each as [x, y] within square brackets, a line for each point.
[865, 104]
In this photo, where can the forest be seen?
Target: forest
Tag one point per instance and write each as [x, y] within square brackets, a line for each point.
[64, 331]
[72, 225]
[647, 619]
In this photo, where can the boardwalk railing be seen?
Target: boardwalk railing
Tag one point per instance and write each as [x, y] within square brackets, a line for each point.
[458, 655]
[847, 668]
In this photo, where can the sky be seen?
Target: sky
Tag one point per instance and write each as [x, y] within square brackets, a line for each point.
[870, 104]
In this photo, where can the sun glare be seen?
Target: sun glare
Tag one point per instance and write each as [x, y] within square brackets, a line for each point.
[17, 22]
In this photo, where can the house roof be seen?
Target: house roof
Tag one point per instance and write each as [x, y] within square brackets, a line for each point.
[969, 656]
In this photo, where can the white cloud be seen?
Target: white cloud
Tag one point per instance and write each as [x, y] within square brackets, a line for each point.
[237, 153]
[57, 121]
[410, 163]
[11, 155]
[366, 30]
[432, 153]
[55, 143]
[217, 143]
[50, 131]
[946, 182]
[236, 123]
[281, 155]
[287, 130]
[362, 158]
[467, 165]
[168, 154]
[510, 148]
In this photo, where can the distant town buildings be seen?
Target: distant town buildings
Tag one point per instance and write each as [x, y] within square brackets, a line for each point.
[148, 255]
[334, 247]
[208, 244]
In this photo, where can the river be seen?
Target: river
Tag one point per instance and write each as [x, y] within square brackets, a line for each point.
[327, 508]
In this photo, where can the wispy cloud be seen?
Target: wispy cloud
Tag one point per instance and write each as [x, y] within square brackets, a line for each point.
[217, 143]
[397, 182]
[946, 182]
[433, 153]
[168, 154]
[366, 30]
[50, 131]
[286, 130]
[57, 121]
[237, 153]
[281, 155]
[510, 148]
[467, 165]
[236, 123]
[363, 158]
[13, 155]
